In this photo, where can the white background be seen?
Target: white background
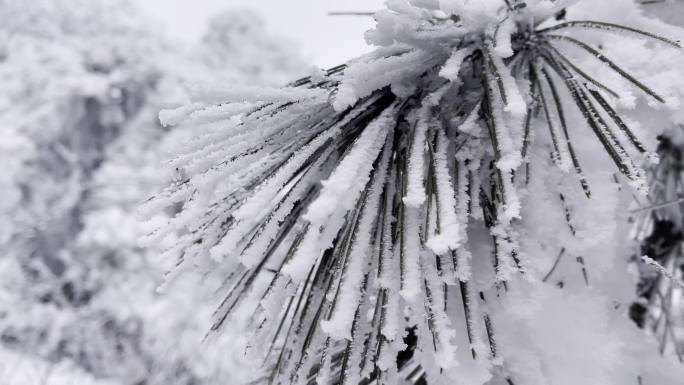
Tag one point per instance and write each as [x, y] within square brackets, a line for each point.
[324, 40]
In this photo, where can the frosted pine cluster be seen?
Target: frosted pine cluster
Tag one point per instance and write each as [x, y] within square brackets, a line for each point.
[449, 207]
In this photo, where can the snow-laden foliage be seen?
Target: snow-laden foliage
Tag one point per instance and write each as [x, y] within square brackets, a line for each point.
[81, 146]
[449, 207]
[657, 227]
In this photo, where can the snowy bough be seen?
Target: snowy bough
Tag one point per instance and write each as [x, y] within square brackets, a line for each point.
[445, 209]
[657, 227]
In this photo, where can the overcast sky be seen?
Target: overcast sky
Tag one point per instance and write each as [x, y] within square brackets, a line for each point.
[325, 40]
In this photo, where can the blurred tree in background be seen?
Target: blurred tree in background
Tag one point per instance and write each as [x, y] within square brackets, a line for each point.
[82, 84]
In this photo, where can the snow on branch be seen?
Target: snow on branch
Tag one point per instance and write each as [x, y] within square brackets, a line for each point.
[419, 191]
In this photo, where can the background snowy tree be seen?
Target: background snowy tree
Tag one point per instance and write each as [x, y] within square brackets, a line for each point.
[83, 82]
[239, 37]
[463, 189]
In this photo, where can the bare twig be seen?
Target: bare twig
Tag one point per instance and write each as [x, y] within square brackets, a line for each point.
[657, 266]
[343, 13]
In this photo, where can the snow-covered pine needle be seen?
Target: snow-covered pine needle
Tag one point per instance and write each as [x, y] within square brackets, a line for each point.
[598, 55]
[662, 270]
[612, 27]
